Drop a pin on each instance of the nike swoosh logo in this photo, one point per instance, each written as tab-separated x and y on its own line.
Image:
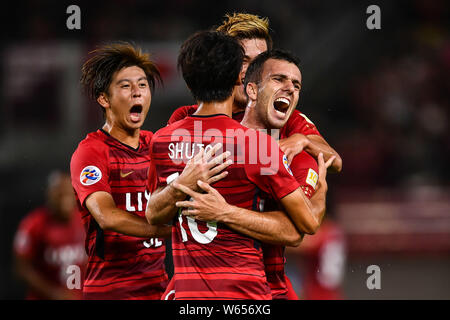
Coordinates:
124	175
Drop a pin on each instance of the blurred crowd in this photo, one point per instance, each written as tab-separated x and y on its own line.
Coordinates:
401	113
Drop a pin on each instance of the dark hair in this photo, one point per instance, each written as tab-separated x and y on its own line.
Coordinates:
210	62
254	70
98	71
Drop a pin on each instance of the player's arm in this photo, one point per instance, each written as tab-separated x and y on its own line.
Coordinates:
104	210
270	227
307	214
313	144
27	272
203	166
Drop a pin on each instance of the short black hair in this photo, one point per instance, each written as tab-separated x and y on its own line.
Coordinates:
254	70
210	62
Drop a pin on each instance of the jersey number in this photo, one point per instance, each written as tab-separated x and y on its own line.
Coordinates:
198	236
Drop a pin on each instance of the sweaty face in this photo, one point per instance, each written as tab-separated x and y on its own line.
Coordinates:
278	92
129	98
252	48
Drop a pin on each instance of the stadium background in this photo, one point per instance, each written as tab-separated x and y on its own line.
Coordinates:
380	97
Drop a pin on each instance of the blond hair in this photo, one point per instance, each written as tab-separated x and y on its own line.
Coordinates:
246	26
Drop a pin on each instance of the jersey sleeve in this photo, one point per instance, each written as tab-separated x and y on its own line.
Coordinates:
26	240
271	176
305	170
89	170
181	113
299	123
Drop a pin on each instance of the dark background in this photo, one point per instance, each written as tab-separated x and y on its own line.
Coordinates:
379	97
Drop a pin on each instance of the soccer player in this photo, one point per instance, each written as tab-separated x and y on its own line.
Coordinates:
299	132
48	241
323	258
211	260
109	172
273	83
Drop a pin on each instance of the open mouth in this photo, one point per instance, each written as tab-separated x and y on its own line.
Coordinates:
281	105
135	113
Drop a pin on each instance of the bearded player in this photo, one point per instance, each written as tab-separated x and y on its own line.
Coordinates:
200	250
273	84
299	132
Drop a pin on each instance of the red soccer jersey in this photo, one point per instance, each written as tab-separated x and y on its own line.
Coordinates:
211	261
297	122
119	266
325	255
51	246
184	111
304	168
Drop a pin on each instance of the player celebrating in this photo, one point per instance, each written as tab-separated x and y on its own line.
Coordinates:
299	132
109	172
200	249
273	83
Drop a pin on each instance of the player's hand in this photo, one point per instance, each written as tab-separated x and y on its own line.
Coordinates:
206	167
209	206
323	166
293	145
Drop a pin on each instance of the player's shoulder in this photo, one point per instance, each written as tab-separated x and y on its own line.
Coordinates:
182	112
297	115
146	136
94	142
35	218
187	109
183	123
306	159
165	130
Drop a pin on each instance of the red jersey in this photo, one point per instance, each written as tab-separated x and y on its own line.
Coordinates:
297	122
119	266
184	111
211	261
325	255
52	246
305	170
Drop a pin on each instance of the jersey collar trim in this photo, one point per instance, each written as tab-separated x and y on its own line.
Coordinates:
123	144
208	116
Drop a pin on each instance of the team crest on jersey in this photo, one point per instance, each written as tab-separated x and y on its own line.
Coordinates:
90	175
312	178
286	165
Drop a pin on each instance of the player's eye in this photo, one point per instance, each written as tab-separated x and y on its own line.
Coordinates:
143	84
125	85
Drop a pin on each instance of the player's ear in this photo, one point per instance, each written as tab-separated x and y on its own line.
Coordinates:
252	90
103	100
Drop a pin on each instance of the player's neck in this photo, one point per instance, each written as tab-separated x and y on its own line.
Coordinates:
128	137
251	119
237	108
215	107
